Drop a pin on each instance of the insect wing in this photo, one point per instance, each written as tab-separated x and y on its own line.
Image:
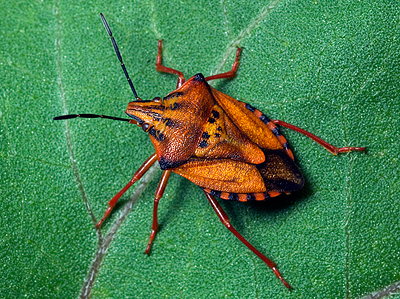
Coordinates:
247	122
222	139
223	175
279	172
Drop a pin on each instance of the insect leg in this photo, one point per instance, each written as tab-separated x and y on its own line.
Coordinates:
333	149
225	220
231	73
161	68
138	174
159	193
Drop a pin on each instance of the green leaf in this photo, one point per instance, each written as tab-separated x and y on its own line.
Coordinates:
330	67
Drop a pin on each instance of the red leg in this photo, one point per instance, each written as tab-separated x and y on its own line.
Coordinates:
159	193
225	220
333	149
161	68
138	174
231	73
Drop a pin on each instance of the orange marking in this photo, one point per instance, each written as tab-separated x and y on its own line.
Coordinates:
274	193
259	196
242	197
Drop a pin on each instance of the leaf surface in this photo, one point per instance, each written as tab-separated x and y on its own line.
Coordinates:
332	69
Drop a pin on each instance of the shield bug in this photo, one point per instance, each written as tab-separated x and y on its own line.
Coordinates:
227	147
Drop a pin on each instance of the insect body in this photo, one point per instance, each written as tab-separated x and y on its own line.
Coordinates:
228	148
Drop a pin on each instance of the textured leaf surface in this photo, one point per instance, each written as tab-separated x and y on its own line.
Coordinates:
332	69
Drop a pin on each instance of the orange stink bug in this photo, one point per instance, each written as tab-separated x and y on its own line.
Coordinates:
227	147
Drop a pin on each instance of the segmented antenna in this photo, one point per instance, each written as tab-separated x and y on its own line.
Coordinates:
69	116
119	56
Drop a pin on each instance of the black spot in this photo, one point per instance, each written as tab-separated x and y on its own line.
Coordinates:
286	145
173	95
203	144
198	77
169	122
152	132
250	197
266	195
215	114
164	164
217	135
233	196
276	131
211	120
156	134
251	108
205	135
219	129
215	193
174	106
264	119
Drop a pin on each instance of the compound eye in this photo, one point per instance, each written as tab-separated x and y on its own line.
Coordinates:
157	100
145	127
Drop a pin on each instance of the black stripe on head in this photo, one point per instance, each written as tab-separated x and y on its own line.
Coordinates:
140	122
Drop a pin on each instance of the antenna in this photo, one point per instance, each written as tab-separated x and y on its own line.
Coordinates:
82	115
119	56
69	116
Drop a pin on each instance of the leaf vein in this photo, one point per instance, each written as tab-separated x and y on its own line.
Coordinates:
104	244
64	104
245	32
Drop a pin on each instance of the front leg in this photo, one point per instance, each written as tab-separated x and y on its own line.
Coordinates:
159	193
161	68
